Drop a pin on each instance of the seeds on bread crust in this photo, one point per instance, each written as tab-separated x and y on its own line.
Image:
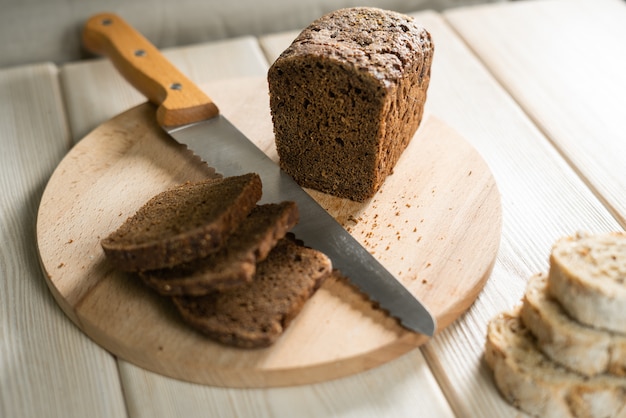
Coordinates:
256	314
588	278
235	263
183	223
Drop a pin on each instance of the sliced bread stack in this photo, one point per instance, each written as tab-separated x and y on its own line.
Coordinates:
562	353
228	263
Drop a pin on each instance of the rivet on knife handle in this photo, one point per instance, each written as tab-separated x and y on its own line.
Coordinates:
179	100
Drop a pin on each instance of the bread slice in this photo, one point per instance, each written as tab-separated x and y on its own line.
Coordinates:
235	263
531	382
588	278
256	314
580	348
347	96
183	223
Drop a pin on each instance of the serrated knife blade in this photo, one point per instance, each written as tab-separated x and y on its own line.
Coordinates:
191	118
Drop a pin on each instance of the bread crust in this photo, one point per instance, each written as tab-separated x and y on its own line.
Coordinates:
182	224
578	347
588	277
235	263
256	314
346	98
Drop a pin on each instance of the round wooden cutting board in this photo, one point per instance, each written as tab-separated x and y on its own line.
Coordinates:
435	225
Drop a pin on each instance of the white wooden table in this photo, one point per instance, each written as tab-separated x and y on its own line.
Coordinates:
537	87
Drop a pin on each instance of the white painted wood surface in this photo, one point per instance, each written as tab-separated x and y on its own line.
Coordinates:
48	368
568	73
43	357
542	199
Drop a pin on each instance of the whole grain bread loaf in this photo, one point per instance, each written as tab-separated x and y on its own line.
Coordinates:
347	97
564	340
183	223
257	313
588	277
235	262
533	383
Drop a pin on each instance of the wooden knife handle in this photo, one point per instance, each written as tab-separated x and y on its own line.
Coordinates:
178	99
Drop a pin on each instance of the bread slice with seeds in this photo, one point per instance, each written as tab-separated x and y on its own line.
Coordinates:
182	224
580	348
533	383
257	313
588	278
235	263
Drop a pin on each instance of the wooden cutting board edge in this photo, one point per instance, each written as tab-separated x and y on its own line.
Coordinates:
280	376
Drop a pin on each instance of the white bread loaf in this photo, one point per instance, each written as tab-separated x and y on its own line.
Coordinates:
583	349
531	382
588	278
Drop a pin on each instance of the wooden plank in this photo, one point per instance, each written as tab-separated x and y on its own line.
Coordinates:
150	395
49	368
542	198
395	389
567	74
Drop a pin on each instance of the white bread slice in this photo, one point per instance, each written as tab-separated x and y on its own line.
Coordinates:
588	278
583	349
536	385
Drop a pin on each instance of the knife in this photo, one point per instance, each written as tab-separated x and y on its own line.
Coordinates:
191	118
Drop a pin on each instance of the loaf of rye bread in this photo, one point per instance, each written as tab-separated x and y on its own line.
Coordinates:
235	262
182	224
346	98
255	314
